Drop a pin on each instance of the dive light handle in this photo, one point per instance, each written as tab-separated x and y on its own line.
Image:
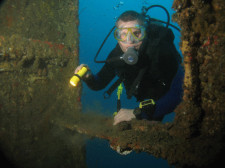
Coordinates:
77	77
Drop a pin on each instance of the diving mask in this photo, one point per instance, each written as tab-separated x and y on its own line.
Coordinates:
130	34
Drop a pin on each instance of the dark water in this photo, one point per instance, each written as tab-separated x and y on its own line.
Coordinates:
96	20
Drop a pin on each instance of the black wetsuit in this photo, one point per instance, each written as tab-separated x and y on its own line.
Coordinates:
157	55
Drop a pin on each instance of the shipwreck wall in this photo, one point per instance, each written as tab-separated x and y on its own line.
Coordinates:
38	52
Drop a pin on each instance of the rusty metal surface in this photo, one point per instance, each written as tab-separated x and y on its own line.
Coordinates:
38	52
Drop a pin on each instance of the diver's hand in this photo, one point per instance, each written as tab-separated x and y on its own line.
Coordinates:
124	115
88	73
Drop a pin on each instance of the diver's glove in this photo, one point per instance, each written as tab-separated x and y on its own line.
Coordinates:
88	73
124	115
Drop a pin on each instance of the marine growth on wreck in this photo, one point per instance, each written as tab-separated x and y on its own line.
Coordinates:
38	49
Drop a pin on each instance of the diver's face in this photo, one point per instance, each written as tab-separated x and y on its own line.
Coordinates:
125	46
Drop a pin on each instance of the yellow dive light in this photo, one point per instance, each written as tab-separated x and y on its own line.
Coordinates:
77	77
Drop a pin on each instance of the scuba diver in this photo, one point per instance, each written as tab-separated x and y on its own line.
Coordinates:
147	63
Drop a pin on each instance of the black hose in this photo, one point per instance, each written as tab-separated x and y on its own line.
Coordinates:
102	46
156	20
145	10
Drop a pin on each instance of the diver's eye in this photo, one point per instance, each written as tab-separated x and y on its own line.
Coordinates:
123	36
137	33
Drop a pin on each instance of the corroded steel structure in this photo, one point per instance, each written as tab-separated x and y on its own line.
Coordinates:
38	52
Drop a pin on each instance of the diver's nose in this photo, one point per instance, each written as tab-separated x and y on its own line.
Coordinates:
129	42
130	39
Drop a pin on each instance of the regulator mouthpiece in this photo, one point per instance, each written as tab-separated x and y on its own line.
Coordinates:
77	77
130	56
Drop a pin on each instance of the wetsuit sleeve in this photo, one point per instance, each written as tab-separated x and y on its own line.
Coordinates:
101	79
106	74
167	103
172	98
166	67
172	73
